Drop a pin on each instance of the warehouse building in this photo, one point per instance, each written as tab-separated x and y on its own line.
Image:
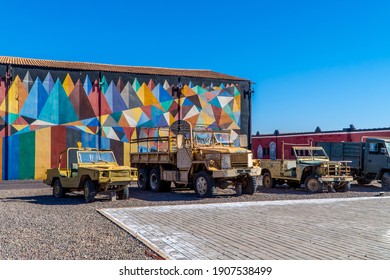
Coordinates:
47	106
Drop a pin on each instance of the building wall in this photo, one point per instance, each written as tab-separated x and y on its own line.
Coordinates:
262	145
43	112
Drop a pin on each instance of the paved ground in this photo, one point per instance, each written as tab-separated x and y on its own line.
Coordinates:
339	228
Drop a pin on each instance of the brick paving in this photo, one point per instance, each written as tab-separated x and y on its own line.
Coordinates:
340	228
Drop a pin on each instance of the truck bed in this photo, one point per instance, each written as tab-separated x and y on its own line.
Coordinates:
152	157
344	151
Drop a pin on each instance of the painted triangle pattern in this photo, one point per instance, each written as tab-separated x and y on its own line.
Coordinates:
102	104
59	109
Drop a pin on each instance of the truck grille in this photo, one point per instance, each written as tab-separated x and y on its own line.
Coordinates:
239	160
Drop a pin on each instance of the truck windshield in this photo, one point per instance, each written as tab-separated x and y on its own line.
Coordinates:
222	138
388	147
203	138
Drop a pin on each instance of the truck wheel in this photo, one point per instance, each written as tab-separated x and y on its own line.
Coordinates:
249	185
143	181
313	185
204	185
124	194
58	190
89	191
268	182
155	180
386	181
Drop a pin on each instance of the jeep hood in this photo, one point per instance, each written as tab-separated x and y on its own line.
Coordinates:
105	167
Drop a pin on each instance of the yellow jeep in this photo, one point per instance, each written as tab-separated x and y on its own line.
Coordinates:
92	171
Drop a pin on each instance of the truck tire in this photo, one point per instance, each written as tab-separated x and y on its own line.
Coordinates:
58	190
204	185
143	179
386	181
124	194
313	185
268	182
89	191
249	185
155	180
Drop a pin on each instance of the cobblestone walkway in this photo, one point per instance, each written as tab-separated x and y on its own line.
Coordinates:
351	228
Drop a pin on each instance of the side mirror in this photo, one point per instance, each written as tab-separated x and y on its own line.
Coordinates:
243	140
383	151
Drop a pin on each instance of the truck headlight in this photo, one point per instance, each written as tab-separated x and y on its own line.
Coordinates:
250	160
225	161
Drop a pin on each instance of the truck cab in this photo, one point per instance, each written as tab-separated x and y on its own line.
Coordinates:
377	160
377	155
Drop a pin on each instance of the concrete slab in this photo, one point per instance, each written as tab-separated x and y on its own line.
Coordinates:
350	228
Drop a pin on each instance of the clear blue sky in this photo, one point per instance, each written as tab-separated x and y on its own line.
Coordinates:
315	63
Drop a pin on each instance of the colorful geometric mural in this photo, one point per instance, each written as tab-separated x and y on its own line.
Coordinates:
39	119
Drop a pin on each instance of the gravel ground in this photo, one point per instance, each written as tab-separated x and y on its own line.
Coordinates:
35	225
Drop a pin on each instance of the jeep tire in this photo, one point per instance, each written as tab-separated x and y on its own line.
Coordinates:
343	187
313	185
268	182
124	194
89	191
58	190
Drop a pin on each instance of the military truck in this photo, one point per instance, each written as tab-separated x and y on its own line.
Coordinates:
370	160
92	171
198	158
311	168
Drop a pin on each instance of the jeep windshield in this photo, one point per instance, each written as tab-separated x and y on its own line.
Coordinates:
96	156
310	153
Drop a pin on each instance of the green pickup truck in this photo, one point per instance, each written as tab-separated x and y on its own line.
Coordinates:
92	171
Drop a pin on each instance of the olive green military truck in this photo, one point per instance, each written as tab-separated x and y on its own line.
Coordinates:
201	159
92	171
311	168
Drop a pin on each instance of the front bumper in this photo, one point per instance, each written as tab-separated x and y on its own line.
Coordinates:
335	179
235	172
116	183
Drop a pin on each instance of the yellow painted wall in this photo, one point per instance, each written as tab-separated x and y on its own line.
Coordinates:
42	152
